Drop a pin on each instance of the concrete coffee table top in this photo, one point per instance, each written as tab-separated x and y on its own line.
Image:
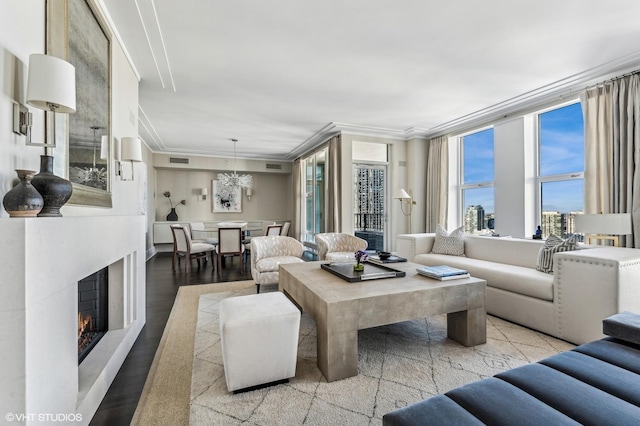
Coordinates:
341	308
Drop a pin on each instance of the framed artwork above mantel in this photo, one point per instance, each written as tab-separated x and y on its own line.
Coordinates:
77	33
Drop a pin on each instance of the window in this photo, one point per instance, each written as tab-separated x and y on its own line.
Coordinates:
477	182
560	169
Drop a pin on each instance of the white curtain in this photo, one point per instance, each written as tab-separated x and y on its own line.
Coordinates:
612	150
437	183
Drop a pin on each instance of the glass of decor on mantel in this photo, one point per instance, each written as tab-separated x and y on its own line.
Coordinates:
173	216
360	257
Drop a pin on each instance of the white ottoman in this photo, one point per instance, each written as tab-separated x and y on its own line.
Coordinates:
259	339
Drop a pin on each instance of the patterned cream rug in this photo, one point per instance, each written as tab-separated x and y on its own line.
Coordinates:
398	364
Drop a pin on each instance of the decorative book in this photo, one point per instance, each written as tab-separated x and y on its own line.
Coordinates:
442	272
391	259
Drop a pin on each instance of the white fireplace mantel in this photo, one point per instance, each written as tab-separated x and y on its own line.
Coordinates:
42	261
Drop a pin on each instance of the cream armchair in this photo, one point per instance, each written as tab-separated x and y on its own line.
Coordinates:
339	247
268	253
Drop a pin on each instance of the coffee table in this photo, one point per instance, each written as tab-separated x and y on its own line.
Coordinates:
341	308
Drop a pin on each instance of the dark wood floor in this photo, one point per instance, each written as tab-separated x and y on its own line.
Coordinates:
121	400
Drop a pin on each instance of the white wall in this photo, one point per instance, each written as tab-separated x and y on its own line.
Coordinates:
509	168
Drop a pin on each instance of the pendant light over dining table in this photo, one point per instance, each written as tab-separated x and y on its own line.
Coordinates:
233	180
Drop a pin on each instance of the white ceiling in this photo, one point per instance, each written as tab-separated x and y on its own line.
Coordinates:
273	74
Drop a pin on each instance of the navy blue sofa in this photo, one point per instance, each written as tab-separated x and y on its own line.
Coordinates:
597	383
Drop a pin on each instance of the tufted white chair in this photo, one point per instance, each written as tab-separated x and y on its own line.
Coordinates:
339	247
268	253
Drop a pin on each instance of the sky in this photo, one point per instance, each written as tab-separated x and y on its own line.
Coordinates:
561	151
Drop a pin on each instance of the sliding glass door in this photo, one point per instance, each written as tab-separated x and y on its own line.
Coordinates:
315	207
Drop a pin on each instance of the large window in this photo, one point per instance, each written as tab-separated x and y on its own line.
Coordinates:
477	182
560	168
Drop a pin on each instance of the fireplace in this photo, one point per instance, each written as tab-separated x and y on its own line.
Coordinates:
39	310
93	311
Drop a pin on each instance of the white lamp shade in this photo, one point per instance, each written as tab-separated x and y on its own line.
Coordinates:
401	194
104	147
51	81
249	192
611	224
130	149
204	191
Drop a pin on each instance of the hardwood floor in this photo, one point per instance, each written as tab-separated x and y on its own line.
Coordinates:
162	285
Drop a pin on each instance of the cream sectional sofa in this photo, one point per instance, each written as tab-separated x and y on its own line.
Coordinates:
586	285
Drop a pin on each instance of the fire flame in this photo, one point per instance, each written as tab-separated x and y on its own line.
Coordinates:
83	323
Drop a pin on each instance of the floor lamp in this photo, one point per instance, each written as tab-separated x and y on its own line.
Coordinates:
405	200
603	226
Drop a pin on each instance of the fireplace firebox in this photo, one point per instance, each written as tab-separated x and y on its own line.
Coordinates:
93	311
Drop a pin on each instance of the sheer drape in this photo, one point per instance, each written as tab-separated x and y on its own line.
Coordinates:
334	221
612	150
437	183
298	190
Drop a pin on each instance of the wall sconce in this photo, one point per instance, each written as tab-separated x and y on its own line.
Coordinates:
204	192
603	226
51	87
130	150
405	200
249	193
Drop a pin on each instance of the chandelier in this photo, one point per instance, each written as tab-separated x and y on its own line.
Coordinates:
234	180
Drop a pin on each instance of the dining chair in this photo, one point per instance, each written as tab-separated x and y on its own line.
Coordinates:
285	229
198	233
230	244
183	246
273	230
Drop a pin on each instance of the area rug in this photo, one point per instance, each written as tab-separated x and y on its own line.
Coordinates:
166	394
397	364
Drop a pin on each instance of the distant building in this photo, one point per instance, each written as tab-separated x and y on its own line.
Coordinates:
560	224
474	220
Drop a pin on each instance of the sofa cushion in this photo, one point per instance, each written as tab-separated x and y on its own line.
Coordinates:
496	402
271	264
449	243
440	410
597	373
553	245
516	279
512	251
624	326
560	391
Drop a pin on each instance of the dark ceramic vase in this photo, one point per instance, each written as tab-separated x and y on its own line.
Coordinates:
172	216
55	190
23	200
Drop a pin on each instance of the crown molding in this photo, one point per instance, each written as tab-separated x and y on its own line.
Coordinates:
564	89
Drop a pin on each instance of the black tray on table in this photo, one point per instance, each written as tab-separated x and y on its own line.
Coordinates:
371	271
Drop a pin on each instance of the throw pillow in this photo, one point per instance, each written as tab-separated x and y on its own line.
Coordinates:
553	245
448	243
